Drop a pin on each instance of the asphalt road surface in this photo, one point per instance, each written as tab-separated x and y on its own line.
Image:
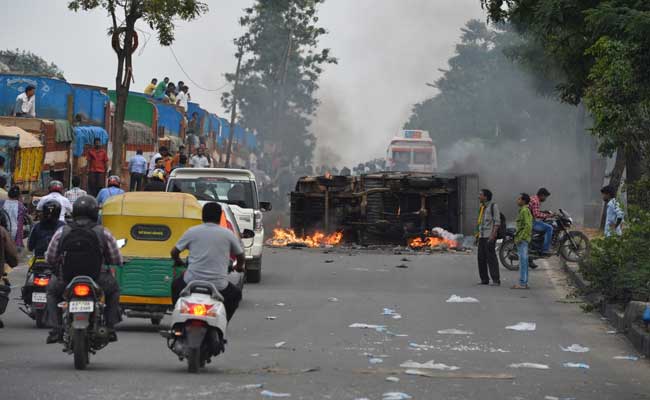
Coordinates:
324	358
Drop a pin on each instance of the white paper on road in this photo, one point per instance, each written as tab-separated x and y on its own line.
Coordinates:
365	326
629	358
251	386
529	365
395	396
280	304
268	393
523	326
279	344
393	379
428	365
454	332
575	348
576	365
375	360
333	300
457	299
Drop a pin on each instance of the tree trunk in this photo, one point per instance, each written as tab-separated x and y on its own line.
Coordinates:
633	165
615	177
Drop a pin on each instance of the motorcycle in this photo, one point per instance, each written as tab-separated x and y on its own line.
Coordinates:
5	289
198	326
33	292
573	246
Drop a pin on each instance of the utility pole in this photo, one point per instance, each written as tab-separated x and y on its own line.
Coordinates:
233	110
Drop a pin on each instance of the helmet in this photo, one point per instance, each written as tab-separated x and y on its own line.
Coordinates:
114	180
158	174
55	186
51	211
85	206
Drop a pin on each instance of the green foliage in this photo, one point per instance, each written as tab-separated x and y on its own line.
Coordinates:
160	15
25	62
485	95
619	267
280	71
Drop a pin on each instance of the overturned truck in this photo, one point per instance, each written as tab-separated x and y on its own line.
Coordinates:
386	207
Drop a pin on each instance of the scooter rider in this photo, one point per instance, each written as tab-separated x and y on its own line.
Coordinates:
84	213
55	189
210	247
43	231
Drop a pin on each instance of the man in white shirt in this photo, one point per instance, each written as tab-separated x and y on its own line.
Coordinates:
152	163
26	103
199	160
182	98
56	188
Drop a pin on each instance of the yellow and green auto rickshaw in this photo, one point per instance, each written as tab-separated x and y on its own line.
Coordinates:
151	223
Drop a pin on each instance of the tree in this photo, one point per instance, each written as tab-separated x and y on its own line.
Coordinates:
26	62
279	74
160	16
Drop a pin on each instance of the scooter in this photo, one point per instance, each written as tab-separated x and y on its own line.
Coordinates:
198	327
34	290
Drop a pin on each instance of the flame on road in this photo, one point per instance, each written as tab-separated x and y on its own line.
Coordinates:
287	237
431	242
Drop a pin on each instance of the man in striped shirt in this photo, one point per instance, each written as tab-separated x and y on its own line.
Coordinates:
539	218
76	192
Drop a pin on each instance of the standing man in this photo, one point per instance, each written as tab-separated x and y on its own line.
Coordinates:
180	158
152	161
148	90
182	98
487	228
540	216
75	192
614	214
26	103
159	91
199	160
97	166
522	237
137	169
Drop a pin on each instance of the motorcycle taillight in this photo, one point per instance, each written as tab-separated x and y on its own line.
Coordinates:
81	290
42	282
197	309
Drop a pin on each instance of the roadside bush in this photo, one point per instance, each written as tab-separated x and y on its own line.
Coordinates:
619	267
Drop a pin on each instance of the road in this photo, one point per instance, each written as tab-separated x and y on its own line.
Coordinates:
323	358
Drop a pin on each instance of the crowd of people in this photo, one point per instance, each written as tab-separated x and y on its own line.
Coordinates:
169	92
530	218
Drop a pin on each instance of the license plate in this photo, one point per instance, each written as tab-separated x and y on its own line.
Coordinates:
39	297
81	306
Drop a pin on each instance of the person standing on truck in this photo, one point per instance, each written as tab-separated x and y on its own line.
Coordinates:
148	90
486	232
26	103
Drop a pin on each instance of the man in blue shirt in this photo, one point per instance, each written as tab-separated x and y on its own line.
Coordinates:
112	189
614	214
137	170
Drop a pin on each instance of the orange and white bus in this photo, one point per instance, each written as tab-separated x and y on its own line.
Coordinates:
412	151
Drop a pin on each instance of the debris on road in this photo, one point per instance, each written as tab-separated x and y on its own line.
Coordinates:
268	393
328	261
287	237
279	344
375	360
457	299
402	266
366	326
389	312
575	348
529	365
404	259
456	375
280	304
271	317
628	358
393	379
395	396
428	365
251	386
333	300
576	365
454	332
523	326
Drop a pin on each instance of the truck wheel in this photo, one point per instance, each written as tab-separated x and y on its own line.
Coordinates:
254	270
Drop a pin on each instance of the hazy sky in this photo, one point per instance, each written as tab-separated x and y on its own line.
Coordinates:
387	50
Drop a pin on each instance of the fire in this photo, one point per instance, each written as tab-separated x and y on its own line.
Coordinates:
431	241
285	237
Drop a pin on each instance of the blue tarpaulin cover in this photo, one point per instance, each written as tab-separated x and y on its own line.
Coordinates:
86	135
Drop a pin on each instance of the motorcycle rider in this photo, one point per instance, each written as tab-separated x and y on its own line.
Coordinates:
156	182
55	189
9	256
43	231
112	189
210	247
539	218
85	214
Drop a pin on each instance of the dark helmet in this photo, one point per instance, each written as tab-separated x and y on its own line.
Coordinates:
51	211
55	186
85	207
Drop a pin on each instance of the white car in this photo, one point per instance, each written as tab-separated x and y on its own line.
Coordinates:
237	188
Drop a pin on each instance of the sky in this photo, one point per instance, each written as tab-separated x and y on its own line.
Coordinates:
387	50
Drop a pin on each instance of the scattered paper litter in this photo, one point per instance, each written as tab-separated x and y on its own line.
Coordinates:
251	386
271	317
454	332
428	365
612	332
333	300
421	346
279	344
529	365
576	365
255	355
629	358
397	316
395	396
575	348
268	393
388	311
280	304
523	326
457	299
415	372
393	379
375	360
366	326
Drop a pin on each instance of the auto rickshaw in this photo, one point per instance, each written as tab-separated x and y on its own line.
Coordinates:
152	223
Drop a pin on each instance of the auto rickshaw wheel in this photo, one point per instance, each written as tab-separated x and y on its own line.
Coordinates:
156	321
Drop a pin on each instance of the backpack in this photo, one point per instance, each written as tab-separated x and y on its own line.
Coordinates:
501	232
82	248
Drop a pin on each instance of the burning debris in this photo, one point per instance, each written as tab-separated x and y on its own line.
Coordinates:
437	238
287	237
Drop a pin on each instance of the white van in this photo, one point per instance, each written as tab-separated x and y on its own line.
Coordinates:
237	188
